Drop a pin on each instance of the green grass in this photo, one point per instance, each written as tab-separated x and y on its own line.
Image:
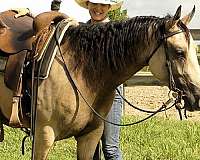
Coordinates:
159	139
156	139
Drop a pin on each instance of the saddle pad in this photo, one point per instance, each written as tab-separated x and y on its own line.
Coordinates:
44	65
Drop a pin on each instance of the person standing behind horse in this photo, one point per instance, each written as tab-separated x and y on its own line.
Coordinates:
98	10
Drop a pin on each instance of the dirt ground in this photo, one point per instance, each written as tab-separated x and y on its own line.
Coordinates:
152	97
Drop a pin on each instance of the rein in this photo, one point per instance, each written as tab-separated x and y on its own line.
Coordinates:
161	109
166	104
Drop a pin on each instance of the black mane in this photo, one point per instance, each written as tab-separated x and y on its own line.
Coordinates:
96	46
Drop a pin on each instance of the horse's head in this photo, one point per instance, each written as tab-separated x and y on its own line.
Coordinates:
175	61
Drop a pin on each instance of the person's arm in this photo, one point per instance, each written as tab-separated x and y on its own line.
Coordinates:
22	12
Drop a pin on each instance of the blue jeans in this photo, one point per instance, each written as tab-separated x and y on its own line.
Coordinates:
111	133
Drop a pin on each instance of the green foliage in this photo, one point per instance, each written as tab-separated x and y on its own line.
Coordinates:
117	14
155	139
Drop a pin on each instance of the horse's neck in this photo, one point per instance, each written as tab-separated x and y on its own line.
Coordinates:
144	42
142	59
108	67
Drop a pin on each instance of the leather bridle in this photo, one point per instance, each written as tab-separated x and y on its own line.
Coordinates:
172	83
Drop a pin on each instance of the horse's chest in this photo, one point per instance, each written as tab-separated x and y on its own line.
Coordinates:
72	124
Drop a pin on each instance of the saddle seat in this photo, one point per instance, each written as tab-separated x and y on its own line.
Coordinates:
16	34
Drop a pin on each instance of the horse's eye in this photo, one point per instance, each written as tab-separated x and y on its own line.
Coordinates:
180	53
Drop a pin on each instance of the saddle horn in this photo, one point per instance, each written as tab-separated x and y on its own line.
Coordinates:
46	18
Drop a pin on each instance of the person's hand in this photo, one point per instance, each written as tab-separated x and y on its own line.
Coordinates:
21	12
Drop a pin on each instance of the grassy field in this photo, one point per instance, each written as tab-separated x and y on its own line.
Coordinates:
156	139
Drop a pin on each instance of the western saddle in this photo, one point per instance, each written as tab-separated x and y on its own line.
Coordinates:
17	36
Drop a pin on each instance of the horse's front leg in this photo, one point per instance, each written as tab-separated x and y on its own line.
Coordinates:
87	143
43	141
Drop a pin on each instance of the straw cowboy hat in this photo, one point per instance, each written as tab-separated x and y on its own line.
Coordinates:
115	4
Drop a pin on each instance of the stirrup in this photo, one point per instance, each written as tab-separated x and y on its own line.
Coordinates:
14	117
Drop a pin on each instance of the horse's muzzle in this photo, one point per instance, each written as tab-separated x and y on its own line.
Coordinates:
192	102
191	94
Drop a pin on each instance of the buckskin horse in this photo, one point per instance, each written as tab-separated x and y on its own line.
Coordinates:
93	60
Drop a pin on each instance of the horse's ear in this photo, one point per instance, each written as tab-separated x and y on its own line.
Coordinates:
186	20
177	14
172	21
